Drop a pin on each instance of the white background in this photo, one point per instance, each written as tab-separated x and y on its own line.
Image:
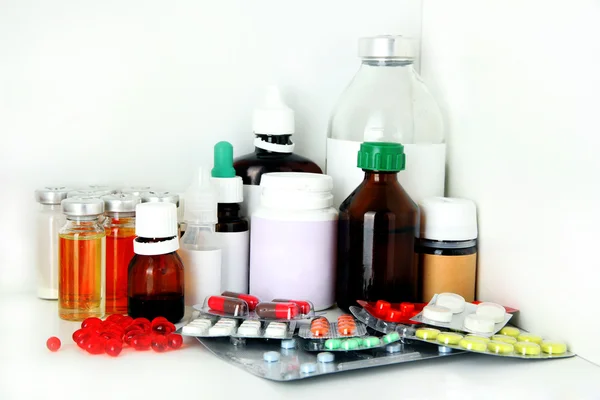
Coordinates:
519	81
137	92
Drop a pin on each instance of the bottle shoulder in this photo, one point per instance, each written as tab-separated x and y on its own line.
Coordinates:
372	201
251	167
169	260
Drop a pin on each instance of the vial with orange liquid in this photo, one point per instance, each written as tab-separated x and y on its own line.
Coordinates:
119	224
81	253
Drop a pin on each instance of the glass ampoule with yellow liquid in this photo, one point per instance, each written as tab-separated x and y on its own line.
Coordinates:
82	260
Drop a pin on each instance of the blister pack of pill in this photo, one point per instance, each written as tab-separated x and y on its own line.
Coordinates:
209	326
398	313
238	307
450	311
510	342
320	328
351	344
255	329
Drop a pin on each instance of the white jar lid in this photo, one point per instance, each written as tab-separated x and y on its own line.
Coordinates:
296	190
449	219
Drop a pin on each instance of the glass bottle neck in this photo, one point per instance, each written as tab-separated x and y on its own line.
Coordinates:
119	219
387	62
83	220
381	177
228	211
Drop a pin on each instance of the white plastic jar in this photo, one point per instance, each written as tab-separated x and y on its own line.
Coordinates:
293	239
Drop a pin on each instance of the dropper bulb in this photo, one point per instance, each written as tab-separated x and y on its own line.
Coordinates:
223	161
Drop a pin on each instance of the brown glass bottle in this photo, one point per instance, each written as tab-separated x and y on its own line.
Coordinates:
155	276
252	166
377	226
229	219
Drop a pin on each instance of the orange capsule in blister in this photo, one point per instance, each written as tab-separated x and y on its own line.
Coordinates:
346	330
319	326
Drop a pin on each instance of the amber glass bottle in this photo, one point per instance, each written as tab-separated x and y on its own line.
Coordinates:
156	280
378	223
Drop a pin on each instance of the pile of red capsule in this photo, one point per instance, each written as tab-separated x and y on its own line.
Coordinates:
109	336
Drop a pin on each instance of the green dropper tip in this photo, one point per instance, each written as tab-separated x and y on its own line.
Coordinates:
223	161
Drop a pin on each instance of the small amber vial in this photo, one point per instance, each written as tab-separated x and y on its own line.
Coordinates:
81	253
119	224
155	281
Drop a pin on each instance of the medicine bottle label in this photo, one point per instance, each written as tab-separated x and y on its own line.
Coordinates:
455	274
234	272
202	274
424	175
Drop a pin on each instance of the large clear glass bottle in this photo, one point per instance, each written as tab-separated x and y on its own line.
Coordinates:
377	227
48	222
156	280
386	101
119	223
81	260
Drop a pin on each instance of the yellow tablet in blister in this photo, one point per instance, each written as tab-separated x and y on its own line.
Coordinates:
510	331
427	333
549	347
482	338
449	338
527	348
504	338
500	347
527	337
473	344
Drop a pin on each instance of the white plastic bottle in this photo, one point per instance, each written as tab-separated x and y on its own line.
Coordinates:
233	233
386	101
293	244
199	250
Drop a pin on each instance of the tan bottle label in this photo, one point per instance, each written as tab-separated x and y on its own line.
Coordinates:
455	274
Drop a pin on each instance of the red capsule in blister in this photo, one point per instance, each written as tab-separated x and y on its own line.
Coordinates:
271	310
174	340
228	305
252	301
305	306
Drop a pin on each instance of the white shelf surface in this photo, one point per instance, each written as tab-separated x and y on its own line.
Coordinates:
29	371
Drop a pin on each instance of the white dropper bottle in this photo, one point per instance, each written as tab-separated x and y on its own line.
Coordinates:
199	251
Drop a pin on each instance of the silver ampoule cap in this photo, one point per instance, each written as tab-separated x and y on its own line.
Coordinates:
51	194
136	190
78	207
160	197
386	46
120	202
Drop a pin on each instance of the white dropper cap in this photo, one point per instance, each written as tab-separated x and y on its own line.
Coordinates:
201	200
273	116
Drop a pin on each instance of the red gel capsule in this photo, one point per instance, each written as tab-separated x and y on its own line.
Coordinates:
53	343
228	305
95	345
305	306
80	333
161	327
116	318
270	310
126	321
91	322
144	323
128	337
174	340
248	298
141	342
111	335
113	347
160	343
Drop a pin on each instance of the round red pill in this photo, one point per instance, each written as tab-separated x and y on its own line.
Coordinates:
95	345
159	343
53	343
174	340
141	342
113	347
91	322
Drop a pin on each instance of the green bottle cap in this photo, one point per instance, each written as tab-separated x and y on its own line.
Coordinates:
223	161
381	156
